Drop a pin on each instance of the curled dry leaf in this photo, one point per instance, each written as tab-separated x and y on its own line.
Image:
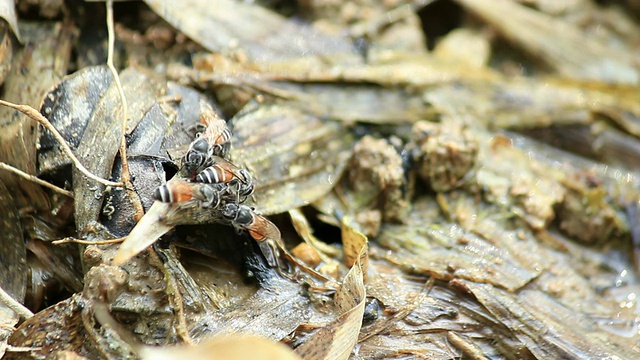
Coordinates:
353	243
337	339
303	228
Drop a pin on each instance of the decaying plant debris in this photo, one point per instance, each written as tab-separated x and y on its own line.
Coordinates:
474	199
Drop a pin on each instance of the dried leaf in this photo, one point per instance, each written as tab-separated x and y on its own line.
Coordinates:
257	32
235	347
295	158
557	43
102	136
337	339
303	228
353	241
42	63
548	329
263	314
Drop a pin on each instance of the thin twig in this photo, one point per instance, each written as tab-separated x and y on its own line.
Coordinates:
87	242
29	177
125	174
35	115
12	304
11	348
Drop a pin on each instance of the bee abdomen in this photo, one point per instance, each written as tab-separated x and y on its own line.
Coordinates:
163	194
209	176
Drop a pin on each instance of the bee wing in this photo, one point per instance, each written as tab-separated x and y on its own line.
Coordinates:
217	132
268	237
265	228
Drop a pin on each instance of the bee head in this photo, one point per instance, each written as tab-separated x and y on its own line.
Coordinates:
200	145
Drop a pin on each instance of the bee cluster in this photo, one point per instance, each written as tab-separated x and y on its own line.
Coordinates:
216	184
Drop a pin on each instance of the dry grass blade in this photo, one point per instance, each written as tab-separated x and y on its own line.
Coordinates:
35	115
23	174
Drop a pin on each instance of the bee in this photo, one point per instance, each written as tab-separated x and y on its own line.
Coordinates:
197	157
216	132
263	231
176	191
223	171
219	138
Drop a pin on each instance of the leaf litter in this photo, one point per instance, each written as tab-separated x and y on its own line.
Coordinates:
436	205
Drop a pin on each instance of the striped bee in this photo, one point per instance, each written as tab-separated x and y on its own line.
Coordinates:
176	191
223	171
197	158
263	231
